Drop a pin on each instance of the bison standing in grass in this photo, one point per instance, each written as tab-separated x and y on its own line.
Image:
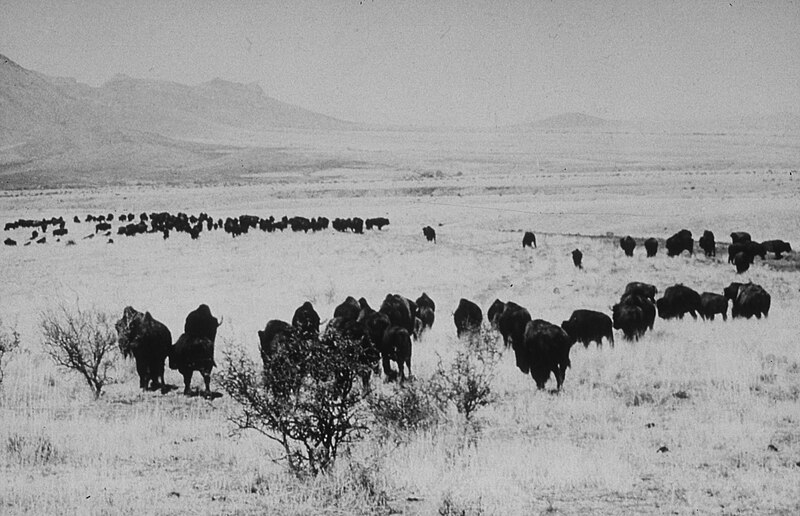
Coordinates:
748	300
677	301
148	341
712	304
586	326
651	247
467	318
628	244
194	350
545	349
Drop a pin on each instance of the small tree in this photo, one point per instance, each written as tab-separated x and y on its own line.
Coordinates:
467	381
305	398
83	341
9	342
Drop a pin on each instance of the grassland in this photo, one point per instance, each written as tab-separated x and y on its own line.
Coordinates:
715	394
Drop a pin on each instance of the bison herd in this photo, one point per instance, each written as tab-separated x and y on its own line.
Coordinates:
193	225
541	347
741	252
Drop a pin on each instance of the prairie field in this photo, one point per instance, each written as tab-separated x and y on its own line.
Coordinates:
721	399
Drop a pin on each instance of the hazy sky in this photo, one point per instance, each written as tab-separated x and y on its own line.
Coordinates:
435	62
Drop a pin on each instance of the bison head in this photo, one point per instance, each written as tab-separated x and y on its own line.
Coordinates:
130	329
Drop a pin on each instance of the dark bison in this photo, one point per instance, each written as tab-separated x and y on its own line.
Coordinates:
430	234
586	326
680	242
629	318
528	238
467	317
494	311
401	311
306	320
10	241
749	248
712	304
544	349
348	309
740	236
425	300
149	341
748	300
512	322
200	323
577	258
677	301
396	347
641	289
651	246
426	317
777	246
628	244
707	243
273	338
194	350
742	261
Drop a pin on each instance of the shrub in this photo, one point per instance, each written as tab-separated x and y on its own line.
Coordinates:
467	381
9	342
408	409
304	397
83	341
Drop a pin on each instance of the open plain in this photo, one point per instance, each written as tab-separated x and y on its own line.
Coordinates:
721	396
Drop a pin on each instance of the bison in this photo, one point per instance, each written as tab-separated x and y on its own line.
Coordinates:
149	341
677	301
430	234
577	258
512	322
306	320
194	349
544	349
630	319
777	246
628	244
348	309
712	304
740	237
467	318
679	242
641	289
707	243
396	346
586	326
527	239
401	311
742	261
651	247
748	300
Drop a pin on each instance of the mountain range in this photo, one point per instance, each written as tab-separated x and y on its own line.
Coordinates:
57	131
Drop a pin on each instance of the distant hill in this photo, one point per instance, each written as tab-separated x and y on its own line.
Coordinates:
59	125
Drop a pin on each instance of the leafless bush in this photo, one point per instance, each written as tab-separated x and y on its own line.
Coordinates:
410	408
83	341
304	398
9	342
467	380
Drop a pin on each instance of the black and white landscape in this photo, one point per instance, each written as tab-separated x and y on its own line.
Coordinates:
163	192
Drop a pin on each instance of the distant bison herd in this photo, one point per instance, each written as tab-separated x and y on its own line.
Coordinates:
193	225
741	252
386	335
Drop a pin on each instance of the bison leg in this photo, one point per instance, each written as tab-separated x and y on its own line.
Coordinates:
187	381
143	371
207	381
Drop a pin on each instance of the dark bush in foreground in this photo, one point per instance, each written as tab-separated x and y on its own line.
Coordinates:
307	397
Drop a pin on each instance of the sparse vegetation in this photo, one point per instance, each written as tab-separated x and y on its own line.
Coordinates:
9	343
83	341
467	381
305	398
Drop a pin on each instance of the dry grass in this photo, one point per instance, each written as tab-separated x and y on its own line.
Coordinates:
715	394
